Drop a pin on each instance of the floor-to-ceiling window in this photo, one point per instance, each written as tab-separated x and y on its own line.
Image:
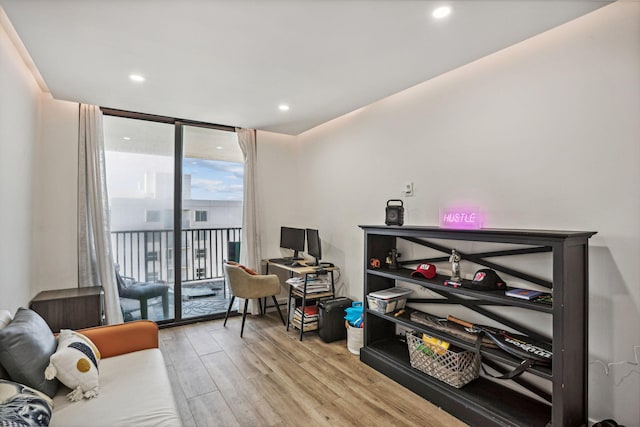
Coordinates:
175	195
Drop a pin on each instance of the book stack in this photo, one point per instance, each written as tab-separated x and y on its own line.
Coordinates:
309	318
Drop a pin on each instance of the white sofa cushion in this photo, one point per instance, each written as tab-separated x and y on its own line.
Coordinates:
134	391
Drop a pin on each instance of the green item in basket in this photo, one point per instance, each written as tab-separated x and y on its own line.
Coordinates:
426	350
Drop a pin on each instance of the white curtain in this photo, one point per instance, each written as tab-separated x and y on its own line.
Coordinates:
95	261
250	240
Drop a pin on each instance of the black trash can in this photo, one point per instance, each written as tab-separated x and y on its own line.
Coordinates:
331	319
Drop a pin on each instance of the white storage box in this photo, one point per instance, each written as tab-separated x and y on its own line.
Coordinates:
388	300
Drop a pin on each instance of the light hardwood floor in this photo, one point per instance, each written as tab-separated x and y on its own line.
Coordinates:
270	378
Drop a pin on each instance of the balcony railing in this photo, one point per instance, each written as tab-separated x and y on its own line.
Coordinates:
148	255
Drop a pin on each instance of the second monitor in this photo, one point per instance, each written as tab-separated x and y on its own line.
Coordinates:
314	248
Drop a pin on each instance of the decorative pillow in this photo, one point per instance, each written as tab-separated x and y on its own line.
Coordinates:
247	269
23	406
26	344
75	364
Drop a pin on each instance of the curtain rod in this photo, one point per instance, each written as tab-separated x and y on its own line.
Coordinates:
163	119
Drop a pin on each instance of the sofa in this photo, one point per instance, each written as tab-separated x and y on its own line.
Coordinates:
134	387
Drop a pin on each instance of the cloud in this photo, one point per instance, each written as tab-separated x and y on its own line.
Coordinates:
209	185
212	189
233	168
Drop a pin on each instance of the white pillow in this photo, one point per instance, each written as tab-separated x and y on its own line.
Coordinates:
5	318
75	364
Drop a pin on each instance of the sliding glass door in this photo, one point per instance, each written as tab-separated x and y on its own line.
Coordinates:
175	195
212	173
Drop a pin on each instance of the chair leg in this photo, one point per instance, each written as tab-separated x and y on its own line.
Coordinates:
144	308
165	304
228	310
244	316
275	302
260	306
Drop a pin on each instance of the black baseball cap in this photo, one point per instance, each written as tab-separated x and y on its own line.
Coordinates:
488	280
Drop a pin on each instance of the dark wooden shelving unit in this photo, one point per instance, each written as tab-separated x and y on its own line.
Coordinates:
483	401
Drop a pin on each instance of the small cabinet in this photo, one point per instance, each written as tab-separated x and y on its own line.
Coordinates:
487	401
73	308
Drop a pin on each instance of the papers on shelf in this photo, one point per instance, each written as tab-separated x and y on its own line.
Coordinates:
314	285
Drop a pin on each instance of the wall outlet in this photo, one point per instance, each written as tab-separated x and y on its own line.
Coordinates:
407	190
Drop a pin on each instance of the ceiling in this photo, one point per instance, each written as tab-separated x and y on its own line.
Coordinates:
233	62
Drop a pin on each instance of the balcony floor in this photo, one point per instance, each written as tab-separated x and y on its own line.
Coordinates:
198	299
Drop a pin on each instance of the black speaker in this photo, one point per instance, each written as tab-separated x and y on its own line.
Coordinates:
394	214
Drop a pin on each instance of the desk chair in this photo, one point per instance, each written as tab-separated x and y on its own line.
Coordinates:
248	286
128	287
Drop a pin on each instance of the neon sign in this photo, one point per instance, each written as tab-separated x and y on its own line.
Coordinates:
461	218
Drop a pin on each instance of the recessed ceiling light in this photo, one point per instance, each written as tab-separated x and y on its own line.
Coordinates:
441	12
126	138
136	77
219	148
283	107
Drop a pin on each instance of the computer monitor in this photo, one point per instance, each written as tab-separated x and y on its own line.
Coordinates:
313	245
292	238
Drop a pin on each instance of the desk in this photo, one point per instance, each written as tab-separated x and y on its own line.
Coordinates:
304	270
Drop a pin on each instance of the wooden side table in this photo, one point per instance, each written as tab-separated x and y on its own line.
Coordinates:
74	308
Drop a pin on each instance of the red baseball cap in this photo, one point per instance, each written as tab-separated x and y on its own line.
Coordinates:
428	271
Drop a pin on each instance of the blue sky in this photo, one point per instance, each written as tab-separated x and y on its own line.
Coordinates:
214	179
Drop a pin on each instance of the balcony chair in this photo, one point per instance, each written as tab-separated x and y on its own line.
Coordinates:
246	284
129	288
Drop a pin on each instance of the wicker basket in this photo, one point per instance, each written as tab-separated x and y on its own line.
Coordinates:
454	367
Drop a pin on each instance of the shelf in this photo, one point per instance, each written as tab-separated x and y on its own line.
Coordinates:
504	235
436	284
480	400
491	353
297	291
307	327
487	401
309	296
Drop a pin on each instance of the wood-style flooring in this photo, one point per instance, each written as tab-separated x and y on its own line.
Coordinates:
270	378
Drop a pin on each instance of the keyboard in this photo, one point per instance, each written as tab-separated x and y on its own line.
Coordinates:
284	261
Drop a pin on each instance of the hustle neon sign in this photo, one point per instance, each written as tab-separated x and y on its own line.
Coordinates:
461	218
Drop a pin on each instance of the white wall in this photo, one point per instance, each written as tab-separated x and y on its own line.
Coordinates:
545	134
38	183
19	114
280	199
55	251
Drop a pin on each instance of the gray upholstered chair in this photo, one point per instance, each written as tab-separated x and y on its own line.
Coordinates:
250	286
132	289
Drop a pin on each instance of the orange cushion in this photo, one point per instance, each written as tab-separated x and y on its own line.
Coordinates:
247	269
113	340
